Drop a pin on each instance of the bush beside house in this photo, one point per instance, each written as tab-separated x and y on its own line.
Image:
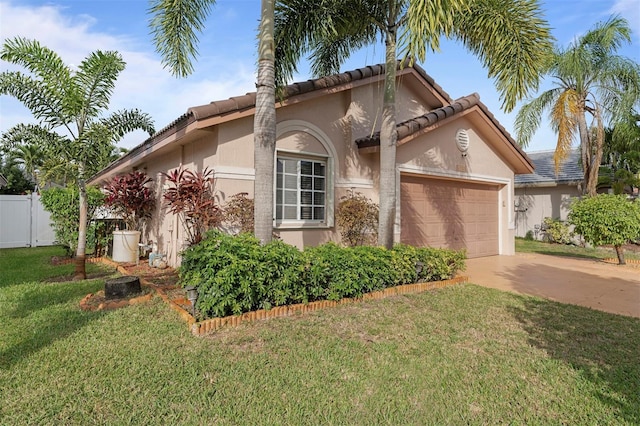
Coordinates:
236	274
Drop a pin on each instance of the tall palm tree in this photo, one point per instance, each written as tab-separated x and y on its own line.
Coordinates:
69	106
174	25
509	36
589	81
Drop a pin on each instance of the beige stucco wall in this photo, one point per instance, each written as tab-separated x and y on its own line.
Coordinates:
536	203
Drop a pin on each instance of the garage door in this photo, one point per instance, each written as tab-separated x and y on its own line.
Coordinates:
451	214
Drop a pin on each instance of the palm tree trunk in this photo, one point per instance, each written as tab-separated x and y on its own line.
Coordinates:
80	272
597	144
264	127
388	138
585	153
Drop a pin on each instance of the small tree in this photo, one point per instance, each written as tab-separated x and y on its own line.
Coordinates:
191	198
607	219
239	213
357	217
131	198
62	203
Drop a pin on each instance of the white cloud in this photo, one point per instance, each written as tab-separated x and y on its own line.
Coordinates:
144	84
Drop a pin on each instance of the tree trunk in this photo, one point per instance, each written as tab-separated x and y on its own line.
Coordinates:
80	272
620	254
597	143
264	127
585	152
388	139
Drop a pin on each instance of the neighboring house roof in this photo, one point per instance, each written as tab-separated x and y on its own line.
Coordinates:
570	171
3	181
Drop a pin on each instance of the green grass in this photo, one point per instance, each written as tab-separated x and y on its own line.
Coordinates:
540	247
462	355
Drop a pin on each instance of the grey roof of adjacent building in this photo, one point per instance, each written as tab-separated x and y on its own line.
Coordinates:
570	171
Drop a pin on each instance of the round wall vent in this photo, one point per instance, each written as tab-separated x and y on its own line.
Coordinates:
462	140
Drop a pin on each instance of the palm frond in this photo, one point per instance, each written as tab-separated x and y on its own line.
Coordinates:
425	22
174	25
564	119
529	116
95	80
38	59
514	30
122	122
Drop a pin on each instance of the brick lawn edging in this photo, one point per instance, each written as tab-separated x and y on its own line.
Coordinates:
615	260
207	326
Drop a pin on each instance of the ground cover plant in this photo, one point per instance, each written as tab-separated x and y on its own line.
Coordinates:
460	355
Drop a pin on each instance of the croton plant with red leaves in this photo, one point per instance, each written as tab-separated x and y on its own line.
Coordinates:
131	197
190	195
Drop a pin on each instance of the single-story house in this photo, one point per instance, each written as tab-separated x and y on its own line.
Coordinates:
544	193
455	163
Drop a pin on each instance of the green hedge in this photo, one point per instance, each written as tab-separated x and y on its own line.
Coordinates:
236	274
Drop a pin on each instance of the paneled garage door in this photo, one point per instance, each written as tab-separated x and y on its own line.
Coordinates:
451	214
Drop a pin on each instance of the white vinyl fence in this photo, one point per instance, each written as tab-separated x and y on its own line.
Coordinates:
24	222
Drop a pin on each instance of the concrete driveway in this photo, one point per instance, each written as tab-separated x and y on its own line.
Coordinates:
597	285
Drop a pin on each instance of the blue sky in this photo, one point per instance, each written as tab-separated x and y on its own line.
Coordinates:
226	65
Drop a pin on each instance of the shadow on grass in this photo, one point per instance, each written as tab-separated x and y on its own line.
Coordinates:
37	314
602	347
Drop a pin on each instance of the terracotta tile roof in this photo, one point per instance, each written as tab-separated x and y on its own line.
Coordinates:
240	103
409	127
570	171
413	125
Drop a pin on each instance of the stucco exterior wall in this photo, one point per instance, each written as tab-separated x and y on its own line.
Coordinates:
536	203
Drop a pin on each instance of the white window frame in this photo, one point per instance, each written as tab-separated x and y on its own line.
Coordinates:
328	191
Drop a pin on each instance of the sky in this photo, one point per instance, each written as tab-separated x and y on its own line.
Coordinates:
226	65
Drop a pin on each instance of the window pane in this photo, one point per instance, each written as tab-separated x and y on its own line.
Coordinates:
306	167
290	166
306	197
278	197
318	184
291	182
318	198
280	165
291	197
306	182
319	169
306	213
290	212
279	180
279	212
318	213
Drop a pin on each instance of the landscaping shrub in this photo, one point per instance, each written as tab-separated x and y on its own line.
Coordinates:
238	213
130	197
357	218
236	274
607	219
529	235
557	231
62	204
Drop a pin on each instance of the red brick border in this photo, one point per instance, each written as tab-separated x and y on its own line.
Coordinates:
615	260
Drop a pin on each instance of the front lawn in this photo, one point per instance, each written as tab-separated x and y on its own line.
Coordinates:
541	247
461	355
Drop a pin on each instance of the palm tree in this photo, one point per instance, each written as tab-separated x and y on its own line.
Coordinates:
69	107
174	25
509	36
31	158
589	79
621	154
